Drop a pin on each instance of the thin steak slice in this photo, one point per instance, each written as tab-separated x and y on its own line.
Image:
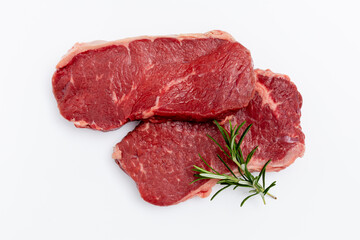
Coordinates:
159	157
103	85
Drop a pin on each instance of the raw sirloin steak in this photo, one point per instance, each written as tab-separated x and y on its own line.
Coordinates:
159	157
103	85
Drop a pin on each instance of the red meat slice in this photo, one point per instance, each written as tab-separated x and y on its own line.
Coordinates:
103	85
159	157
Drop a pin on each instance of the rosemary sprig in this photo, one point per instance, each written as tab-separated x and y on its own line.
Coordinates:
234	152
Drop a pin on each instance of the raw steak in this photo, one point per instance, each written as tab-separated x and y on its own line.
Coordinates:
159	157
103	85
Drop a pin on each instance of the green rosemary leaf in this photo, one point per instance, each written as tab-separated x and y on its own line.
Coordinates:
249	156
243	136
240	158
222	149
245	199
238	128
268	188
239	142
262	173
223	132
208	164
249	176
199	169
219	191
198	179
227	166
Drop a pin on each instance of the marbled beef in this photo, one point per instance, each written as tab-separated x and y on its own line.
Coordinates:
194	77
159	157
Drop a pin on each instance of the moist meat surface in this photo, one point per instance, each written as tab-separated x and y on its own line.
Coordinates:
104	85
159	157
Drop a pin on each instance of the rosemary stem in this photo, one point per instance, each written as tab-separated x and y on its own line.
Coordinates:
270	195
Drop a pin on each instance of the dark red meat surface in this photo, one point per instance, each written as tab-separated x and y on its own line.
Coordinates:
159	157
187	77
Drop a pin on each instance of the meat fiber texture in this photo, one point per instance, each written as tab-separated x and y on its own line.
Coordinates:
102	85
160	157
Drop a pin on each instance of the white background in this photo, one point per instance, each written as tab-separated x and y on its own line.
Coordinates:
59	182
